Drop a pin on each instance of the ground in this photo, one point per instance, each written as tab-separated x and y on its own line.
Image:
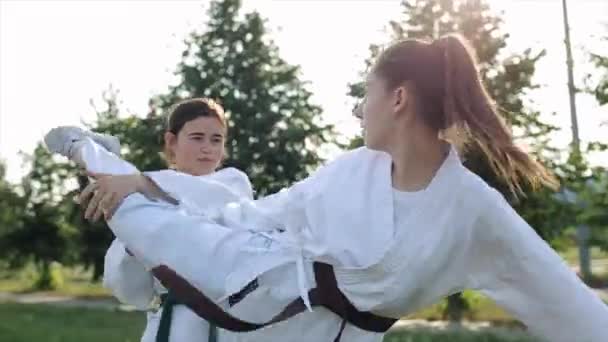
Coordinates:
50	323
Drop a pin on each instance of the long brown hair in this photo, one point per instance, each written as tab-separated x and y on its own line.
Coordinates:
451	98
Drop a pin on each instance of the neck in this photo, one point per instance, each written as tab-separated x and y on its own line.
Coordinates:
416	158
193	173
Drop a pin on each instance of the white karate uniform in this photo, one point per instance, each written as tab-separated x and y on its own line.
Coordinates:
125	276
456	234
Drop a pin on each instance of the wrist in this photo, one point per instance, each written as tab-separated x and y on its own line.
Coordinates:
141	183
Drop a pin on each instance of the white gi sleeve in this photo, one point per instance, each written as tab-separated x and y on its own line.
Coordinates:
520	272
127	278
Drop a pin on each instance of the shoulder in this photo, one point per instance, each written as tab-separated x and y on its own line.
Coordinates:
235	179
357	155
482	208
232	172
494	219
359	160
476	191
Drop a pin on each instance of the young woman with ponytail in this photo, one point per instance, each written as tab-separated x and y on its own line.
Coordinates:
381	231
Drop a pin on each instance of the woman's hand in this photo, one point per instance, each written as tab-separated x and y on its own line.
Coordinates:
104	196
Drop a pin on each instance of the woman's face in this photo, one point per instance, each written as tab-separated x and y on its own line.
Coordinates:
198	148
376	112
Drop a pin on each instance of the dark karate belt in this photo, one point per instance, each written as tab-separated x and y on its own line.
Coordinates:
326	294
167	302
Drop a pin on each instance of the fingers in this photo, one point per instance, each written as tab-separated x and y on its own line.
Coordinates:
117	200
86	194
102	198
103	206
112	208
93	205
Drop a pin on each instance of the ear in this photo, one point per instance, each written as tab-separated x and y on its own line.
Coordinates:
400	99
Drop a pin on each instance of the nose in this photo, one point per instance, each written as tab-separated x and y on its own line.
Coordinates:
358	111
205	148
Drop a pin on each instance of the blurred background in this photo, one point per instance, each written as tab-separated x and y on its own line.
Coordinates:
288	72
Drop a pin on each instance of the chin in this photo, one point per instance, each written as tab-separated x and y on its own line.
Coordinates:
371	144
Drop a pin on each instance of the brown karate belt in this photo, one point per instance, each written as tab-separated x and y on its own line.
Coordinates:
325	294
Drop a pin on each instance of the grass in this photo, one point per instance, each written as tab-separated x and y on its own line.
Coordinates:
31	322
424	335
77	283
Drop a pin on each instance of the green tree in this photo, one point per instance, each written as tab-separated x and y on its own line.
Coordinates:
586	182
43	235
140	136
508	77
275	129
93	238
596	194
600	89
11	211
141	145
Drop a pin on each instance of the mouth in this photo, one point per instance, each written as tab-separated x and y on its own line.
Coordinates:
205	160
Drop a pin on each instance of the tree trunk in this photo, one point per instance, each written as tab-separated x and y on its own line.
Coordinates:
457	306
44	276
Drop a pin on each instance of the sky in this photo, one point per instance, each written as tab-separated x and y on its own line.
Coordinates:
57	57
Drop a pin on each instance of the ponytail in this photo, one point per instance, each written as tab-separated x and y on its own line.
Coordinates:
474	119
452	100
